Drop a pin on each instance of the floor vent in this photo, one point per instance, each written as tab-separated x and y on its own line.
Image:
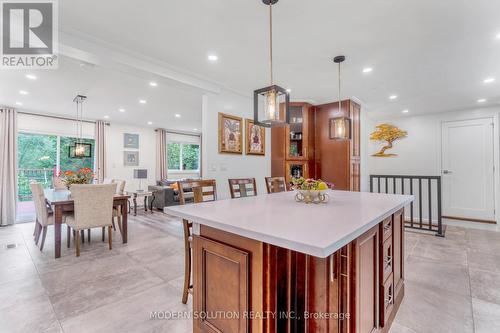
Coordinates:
11	246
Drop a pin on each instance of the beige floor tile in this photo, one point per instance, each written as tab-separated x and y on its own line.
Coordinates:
428	310
433	274
486	261
486	316
485	285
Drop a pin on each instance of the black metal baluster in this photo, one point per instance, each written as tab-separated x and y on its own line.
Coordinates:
429	184
378	184
440	222
420	200
386	185
411	193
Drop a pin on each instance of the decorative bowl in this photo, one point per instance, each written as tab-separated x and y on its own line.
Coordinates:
312	196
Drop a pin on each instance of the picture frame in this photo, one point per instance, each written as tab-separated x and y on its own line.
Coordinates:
87	147
255	138
130	141
131	158
230	134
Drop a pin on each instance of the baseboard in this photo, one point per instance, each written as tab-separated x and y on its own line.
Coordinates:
469	219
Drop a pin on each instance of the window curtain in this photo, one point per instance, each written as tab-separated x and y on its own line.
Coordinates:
8	166
100	151
161	154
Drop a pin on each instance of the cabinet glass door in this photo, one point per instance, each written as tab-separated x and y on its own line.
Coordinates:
296	134
296	169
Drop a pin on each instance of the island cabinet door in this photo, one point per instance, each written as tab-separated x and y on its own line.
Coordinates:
366	277
398	245
221	286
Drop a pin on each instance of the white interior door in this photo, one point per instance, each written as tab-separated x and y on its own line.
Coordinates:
468	169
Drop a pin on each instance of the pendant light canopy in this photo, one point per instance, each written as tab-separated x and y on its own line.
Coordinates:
340	127
271	104
80	149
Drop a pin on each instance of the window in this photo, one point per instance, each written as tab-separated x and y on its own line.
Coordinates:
40	156
183	156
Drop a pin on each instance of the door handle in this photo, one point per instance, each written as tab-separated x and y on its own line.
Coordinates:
446	172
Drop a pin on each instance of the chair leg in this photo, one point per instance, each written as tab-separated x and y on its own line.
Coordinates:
38	231
43	238
113	222
88	234
110	240
103	232
68	241
77	243
187	275
82	232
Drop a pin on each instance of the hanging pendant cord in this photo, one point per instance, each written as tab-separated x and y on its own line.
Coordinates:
271	39
339	89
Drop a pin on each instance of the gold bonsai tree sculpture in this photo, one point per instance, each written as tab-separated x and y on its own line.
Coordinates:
388	133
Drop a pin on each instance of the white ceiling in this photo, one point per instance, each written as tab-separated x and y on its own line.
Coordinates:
107	91
433	54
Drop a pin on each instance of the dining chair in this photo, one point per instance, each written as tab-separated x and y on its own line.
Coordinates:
44	218
242	187
120	190
93	209
58	184
201	191
275	184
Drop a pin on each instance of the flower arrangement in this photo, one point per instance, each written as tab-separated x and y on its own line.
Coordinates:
81	176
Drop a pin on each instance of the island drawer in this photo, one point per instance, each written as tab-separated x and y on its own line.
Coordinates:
386	231
386	301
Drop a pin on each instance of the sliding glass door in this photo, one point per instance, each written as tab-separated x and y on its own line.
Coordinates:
40	157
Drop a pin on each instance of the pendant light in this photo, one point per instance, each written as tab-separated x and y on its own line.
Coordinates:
273	102
80	149
340	127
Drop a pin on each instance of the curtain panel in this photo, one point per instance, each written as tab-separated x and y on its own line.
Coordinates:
161	154
100	151
8	166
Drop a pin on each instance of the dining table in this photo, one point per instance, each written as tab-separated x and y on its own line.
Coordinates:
62	202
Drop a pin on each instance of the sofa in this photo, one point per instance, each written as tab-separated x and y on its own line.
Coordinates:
167	195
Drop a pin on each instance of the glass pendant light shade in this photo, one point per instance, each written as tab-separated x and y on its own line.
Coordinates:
79	150
271	106
340	128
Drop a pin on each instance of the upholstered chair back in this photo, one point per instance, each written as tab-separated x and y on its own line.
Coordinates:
93	205
120	186
42	213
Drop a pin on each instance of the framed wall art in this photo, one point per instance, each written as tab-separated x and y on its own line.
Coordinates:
131	141
131	158
230	134
255	138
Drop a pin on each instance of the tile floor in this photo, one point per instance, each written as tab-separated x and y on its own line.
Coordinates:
452	284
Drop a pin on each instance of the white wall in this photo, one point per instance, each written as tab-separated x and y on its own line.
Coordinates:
224	166
420	152
54	126
114	155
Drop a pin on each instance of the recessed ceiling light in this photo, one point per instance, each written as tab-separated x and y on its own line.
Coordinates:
489	80
106	117
498	36
121	109
31	76
177	115
142	101
393	97
153	84
289	90
23	92
405	111
367	70
481	100
213	57
19	103
150	123
195	129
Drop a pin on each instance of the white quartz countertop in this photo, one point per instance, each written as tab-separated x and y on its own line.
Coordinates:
315	229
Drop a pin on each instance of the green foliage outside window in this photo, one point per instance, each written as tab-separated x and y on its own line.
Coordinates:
183	156
37	159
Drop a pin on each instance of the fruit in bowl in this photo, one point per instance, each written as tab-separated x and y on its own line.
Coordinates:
310	190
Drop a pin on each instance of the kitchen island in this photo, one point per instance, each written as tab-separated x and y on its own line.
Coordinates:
270	264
